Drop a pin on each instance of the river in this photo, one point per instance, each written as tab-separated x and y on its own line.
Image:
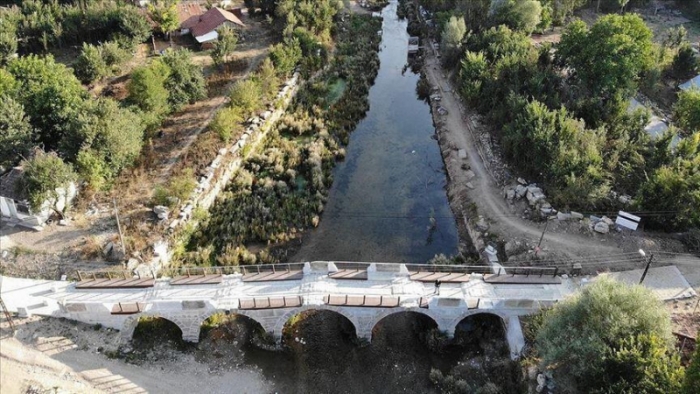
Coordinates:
388	200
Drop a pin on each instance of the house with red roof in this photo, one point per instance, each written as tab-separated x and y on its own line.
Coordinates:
203	27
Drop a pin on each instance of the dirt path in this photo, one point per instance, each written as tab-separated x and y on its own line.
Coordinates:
49	353
457	132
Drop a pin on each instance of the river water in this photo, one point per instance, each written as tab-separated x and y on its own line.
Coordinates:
390	189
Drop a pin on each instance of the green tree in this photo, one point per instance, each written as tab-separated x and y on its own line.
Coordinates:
606	318
685	63
15	132
225	45
114	55
112	136
185	82
692	374
164	13
245	95
133	26
147	88
90	65
521	15
285	56
673	186
8	34
452	37
687	110
226	121
607	60
50	93
43	175
267	79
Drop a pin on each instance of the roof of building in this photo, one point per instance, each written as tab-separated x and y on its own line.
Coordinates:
213	19
8	184
693	83
189	13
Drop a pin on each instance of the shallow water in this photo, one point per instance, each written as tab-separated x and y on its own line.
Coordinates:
392	181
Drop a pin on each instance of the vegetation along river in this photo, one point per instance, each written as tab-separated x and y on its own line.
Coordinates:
388	201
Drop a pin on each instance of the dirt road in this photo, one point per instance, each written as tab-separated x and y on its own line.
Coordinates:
457	133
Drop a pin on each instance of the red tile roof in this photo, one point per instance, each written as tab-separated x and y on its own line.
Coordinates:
212	20
188	14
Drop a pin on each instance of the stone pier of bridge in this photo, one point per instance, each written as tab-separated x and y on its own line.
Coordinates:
378	291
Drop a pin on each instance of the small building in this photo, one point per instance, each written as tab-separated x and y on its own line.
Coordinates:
15	207
690	84
203	29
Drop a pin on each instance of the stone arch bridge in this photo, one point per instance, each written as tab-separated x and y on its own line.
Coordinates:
363	293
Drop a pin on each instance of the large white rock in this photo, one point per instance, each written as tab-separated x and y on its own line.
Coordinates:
602	227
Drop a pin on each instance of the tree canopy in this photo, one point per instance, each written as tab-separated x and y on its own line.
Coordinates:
44	173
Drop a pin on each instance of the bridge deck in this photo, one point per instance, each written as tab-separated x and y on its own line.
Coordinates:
196	280
444	277
270	303
105	283
272	276
349	274
522	279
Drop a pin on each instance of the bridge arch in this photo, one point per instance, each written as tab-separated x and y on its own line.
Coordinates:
230	313
369	332
130	324
279	325
473	312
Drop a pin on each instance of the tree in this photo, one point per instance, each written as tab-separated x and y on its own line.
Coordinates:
521	15
225	45
90	65
164	13
452	37
606	327
147	88
15	132
685	63
185	82
692	374
607	59
285	56
113	55
43	175
226	121
245	95
267	79
687	110
133	26
50	93
673	186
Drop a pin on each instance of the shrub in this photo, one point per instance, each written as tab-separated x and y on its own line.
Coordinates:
245	95
90	65
226	121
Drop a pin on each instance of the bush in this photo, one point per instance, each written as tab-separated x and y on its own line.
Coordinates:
685	63
90	66
603	319
692	374
43	175
179	188
245	95
225	122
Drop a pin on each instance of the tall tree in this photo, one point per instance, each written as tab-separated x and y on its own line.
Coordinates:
225	45
147	88
687	110
185	82
15	132
164	13
452	37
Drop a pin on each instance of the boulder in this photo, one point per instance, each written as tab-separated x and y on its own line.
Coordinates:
469	185
160	209
469	175
607	221
625	199
462	154
563	216
510	195
481	225
522	181
534	195
601	227
107	250
576	215
520	191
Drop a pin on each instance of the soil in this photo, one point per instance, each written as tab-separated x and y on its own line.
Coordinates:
51	355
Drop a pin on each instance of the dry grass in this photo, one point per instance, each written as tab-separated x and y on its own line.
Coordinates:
91	248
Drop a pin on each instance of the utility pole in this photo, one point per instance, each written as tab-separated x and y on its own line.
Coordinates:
537	249
119	227
646	269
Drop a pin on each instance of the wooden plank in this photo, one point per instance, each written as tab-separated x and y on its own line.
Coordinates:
270	303
196	280
131	283
444	277
534	279
349	275
372	301
127	308
273	276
